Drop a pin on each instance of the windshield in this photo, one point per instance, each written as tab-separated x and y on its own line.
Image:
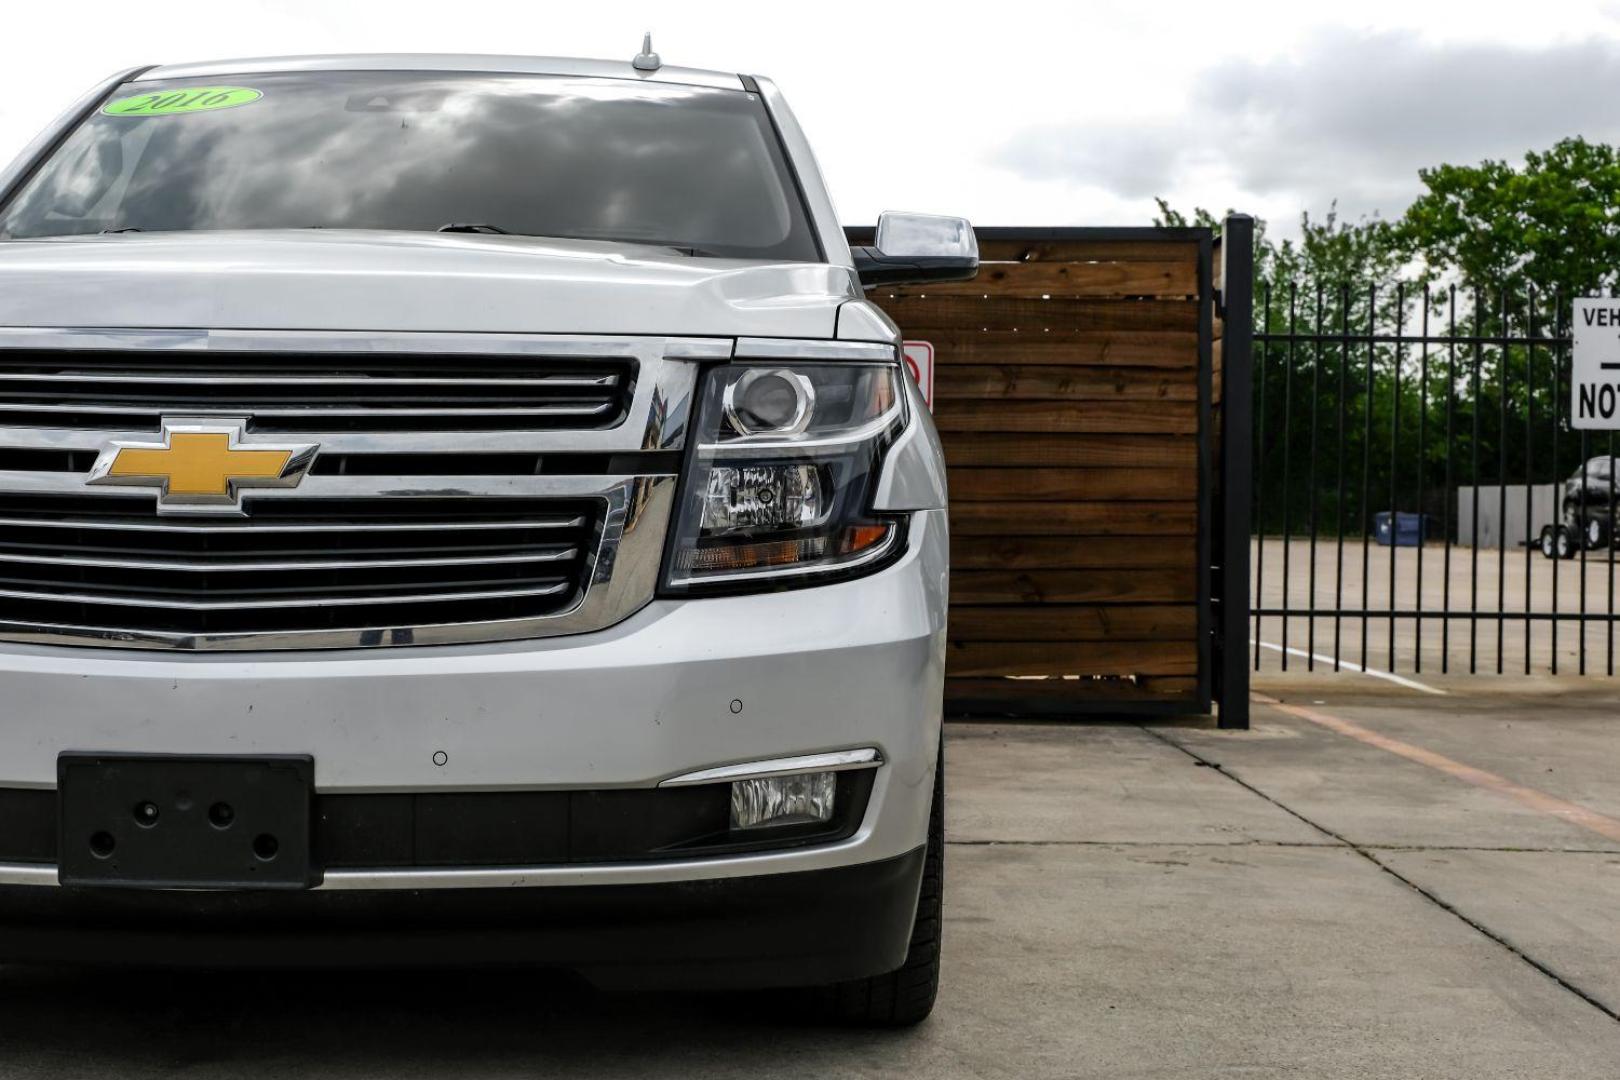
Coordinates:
606	159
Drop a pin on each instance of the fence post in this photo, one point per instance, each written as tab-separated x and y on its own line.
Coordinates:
1236	470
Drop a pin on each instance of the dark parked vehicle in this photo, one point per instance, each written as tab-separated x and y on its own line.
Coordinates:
1587	511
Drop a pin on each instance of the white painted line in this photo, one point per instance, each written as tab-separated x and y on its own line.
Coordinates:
1410	684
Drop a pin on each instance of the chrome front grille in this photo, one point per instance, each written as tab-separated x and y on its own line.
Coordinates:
466	487
295	565
301	392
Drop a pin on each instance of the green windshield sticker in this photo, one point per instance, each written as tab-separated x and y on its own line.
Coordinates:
178	102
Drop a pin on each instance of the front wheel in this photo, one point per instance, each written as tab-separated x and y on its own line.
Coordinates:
906	995
1597	534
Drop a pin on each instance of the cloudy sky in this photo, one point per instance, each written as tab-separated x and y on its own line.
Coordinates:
1013	113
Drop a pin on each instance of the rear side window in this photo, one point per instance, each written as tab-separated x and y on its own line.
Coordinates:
606	159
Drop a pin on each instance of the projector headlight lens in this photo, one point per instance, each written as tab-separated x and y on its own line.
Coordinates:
763	401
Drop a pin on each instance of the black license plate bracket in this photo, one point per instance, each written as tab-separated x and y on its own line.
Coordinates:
170	821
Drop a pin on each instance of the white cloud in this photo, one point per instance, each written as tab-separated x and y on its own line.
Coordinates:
1024	112
1351	117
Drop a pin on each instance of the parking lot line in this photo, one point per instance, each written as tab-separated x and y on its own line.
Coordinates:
1398	680
1539	801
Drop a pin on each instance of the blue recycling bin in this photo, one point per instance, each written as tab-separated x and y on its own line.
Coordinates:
1406	530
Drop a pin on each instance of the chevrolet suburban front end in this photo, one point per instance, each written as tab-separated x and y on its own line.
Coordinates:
462	509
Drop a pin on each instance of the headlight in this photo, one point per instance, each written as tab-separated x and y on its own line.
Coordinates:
779	483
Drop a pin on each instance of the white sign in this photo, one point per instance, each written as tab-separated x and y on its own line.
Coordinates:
920	361
1595	383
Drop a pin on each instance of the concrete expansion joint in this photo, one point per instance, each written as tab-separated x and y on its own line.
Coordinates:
1367	852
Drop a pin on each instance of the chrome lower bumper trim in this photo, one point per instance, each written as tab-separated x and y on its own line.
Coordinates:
505	877
27	874
838	761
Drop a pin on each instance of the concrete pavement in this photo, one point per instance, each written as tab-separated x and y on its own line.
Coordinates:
1515	580
1122	900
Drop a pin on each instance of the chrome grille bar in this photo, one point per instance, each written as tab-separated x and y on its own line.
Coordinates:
235	409
345	487
249	566
665	437
550	589
186	527
559	381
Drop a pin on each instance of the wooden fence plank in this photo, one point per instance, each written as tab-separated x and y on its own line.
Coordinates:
1036	382
1034	280
1123	417
1167	586
1122	349
1071	485
1056	691
998	250
971	658
1077	451
1060	623
921	314
1146	519
1005	552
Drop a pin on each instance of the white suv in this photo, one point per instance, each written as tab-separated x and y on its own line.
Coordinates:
462	509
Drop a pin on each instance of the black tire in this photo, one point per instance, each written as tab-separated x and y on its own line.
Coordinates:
1549	548
905	996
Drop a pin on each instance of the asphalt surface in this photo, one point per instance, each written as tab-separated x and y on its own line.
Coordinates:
1375	882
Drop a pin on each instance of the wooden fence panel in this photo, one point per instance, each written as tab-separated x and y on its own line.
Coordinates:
1068	394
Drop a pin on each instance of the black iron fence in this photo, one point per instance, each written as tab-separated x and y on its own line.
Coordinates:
1421	500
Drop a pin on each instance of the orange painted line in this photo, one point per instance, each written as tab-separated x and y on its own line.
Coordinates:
1539	801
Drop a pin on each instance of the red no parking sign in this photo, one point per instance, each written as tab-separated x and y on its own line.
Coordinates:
920	362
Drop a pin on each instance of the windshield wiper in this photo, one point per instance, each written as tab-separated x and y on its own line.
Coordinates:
123	229
676	245
495	230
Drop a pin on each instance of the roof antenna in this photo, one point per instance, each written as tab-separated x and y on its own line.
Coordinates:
646	59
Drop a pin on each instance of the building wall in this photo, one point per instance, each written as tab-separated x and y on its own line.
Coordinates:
1493	525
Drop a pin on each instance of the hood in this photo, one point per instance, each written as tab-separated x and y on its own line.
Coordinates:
348	280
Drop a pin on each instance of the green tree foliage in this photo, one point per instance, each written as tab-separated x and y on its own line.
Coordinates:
1326	285
1488	251
1330	250
1554	224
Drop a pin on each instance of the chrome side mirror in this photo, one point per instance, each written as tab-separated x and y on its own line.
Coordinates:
913	249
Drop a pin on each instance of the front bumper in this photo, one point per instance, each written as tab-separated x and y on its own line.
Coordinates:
798	929
681	686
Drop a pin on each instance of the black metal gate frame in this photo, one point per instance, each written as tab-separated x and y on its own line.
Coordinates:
1234	523
1556	347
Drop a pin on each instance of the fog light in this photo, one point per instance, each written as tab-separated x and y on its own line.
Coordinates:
803	799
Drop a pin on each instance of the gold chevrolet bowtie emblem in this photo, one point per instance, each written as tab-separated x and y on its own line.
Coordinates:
202	465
